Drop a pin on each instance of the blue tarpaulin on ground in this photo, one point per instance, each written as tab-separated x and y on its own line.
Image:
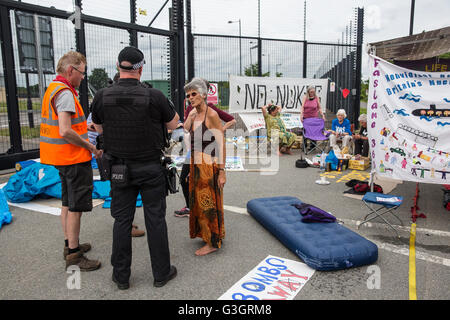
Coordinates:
36	179
41	180
5	214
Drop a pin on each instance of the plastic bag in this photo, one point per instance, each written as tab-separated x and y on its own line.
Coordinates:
332	159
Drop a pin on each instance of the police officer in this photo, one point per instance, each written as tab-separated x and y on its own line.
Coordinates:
132	118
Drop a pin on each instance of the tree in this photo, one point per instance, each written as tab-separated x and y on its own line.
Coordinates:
99	78
364	90
252	71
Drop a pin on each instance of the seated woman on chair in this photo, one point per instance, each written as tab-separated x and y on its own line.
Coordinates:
340	130
274	122
360	137
311	108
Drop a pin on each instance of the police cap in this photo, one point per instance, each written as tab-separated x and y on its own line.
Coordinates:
132	55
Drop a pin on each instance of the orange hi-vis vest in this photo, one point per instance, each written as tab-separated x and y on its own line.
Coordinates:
54	149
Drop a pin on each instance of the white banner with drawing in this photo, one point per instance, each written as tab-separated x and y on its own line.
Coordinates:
409	122
254	121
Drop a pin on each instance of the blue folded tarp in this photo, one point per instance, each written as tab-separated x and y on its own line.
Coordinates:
36	179
5	214
43	181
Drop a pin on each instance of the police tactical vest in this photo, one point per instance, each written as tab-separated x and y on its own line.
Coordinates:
132	126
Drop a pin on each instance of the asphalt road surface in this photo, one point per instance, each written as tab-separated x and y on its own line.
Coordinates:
32	266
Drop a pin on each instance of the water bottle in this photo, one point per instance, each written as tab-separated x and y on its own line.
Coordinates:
322	161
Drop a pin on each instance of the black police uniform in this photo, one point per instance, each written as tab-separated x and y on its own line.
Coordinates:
132	116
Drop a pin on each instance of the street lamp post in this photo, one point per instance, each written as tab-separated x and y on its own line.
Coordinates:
251	64
162	56
151	59
240	45
276	67
268	61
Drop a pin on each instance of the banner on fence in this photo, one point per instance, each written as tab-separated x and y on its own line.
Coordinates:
409	122
249	94
272	279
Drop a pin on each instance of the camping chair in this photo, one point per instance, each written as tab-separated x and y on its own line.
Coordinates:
313	130
387	204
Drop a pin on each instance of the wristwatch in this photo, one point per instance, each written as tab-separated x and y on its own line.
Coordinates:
223	169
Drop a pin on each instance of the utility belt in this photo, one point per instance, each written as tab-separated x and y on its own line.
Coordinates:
116	170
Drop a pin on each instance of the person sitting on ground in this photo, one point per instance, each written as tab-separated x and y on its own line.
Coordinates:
274	123
360	137
340	129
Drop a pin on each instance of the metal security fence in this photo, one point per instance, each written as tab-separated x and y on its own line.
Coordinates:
216	57
26	71
34	37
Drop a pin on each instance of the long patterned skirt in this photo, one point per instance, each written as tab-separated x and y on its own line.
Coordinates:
205	201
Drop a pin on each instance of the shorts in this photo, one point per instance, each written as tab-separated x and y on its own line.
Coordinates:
77	186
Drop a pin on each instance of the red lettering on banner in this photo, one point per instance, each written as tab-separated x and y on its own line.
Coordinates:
293	275
280	293
376	73
291	285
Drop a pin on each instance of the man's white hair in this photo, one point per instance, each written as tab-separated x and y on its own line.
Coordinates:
362	117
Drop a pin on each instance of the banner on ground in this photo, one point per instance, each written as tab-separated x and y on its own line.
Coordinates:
231	163
408	115
254	121
272	279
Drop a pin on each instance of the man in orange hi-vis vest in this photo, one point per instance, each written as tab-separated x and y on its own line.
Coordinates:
64	144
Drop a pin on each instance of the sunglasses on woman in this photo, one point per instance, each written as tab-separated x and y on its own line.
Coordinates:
193	94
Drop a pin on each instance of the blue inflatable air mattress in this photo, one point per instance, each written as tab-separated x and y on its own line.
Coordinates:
322	246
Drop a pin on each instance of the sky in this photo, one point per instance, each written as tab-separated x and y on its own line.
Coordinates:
326	20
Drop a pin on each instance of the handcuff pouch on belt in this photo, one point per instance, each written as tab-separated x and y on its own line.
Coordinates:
119	173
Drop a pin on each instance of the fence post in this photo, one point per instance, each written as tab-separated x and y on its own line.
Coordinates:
133	33
259	57
305	57
190	43
177	64
80	39
359	43
10	81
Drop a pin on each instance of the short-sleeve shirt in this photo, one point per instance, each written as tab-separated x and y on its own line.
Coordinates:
341	127
64	102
